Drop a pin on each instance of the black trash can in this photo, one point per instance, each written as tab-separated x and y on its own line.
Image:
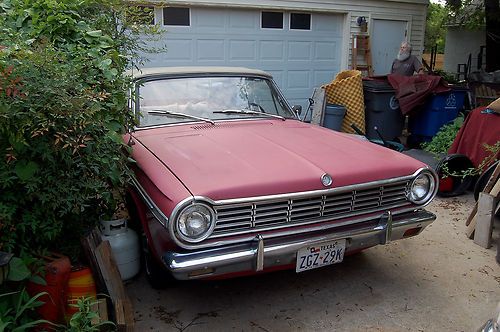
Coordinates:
382	110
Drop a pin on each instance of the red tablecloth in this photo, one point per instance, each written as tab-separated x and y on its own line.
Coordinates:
478	128
412	91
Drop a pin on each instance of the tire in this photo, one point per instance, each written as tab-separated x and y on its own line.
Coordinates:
158	277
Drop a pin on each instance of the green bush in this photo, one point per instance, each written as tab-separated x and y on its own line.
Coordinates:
444	138
63	100
17	306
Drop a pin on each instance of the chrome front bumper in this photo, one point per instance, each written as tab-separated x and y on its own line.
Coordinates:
265	253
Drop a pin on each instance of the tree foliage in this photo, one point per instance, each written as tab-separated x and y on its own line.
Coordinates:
467	13
434	33
63	108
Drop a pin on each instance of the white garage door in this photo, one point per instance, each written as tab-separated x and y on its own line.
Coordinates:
299	60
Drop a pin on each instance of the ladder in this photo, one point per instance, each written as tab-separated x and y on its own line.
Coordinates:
361	51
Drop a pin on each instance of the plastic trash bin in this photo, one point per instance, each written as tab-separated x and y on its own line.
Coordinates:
334	116
440	109
382	110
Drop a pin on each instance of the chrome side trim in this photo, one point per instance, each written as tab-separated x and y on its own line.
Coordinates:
155	210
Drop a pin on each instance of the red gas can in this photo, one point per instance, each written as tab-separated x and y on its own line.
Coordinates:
57	269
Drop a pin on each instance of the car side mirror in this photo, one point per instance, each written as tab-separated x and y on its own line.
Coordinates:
297	109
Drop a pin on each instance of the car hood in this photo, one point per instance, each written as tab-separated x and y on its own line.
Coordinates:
255	158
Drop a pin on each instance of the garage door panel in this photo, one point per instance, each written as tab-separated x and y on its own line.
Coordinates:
271	50
321	77
240	20
179	49
208	19
298	79
332	24
299	50
210	49
242	50
325	51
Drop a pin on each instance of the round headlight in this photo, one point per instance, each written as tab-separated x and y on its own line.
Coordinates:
422	188
195	222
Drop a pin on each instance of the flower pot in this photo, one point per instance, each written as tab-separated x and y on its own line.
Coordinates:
446	184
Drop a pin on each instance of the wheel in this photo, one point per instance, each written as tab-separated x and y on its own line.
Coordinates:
157	275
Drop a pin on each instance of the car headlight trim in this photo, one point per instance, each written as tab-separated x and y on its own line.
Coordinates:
195	222
422	188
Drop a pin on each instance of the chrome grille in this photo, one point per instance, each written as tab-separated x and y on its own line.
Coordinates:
273	213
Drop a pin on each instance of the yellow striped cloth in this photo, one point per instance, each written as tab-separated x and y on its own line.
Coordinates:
347	90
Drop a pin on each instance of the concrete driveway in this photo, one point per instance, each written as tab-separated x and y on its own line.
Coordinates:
437	281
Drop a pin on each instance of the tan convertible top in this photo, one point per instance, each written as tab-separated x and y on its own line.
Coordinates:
173	71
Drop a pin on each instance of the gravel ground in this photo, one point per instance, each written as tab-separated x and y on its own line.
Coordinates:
437	281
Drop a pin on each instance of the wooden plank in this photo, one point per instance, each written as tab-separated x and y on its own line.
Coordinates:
89	244
471	215
469	231
495	190
123	310
487	188
102	308
120	316
492	180
128	311
484	222
109	280
125	315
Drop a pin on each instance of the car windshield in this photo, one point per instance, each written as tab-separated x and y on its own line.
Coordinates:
176	100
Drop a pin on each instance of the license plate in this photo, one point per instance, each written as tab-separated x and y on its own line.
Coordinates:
320	255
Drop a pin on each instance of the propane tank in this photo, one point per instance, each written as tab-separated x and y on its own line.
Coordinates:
124	244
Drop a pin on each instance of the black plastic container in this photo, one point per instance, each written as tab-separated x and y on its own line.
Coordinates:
382	110
451	171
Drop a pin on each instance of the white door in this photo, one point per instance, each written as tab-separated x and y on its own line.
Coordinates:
299	60
386	37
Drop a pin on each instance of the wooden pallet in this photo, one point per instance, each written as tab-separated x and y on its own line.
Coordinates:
108	279
480	221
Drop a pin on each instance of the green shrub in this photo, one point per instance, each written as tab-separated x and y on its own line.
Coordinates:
17	307
86	319
444	138
63	99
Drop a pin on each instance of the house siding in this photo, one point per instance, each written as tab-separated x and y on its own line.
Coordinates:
459	44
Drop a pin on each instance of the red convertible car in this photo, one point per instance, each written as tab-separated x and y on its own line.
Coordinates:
229	182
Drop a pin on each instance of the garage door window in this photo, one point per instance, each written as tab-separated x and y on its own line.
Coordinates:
178	16
300	21
272	20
